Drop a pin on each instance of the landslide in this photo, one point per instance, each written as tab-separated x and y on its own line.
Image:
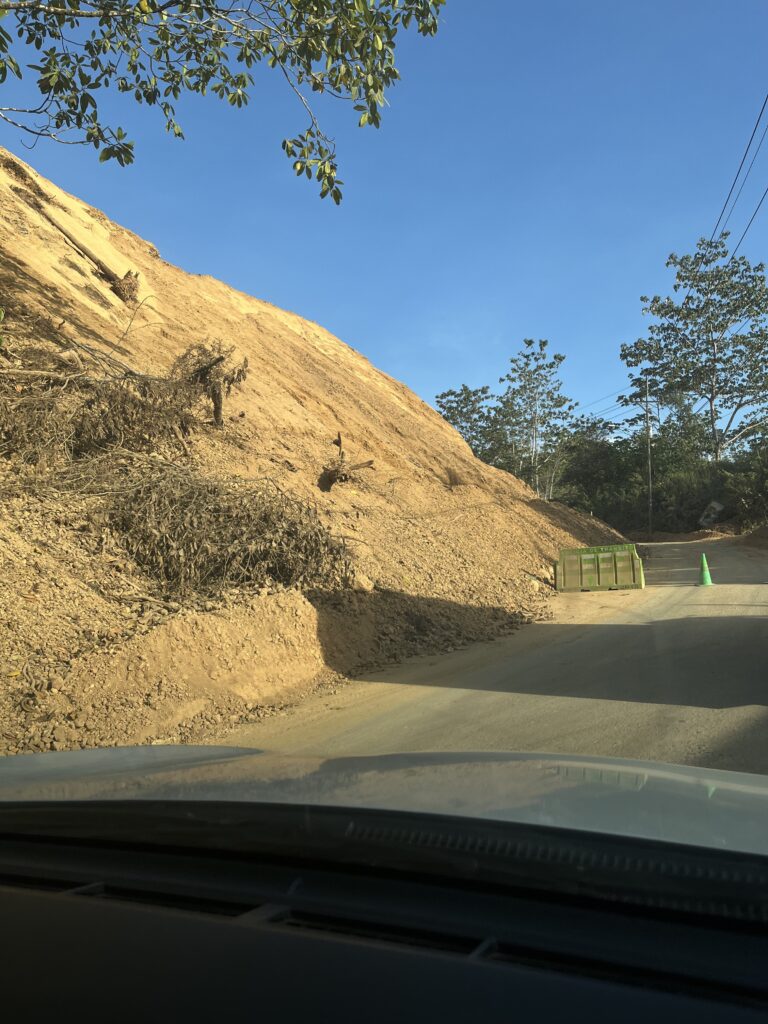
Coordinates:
95	648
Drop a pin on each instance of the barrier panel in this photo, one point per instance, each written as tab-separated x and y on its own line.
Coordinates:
606	567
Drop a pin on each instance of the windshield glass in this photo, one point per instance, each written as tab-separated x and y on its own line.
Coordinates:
323	445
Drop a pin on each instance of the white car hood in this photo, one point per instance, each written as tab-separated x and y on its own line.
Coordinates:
699	806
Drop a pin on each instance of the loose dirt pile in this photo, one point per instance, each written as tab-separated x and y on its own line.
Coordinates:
94	650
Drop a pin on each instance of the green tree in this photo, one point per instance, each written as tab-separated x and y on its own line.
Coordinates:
486	426
536	410
156	50
468	410
710	346
602	471
680	438
745	489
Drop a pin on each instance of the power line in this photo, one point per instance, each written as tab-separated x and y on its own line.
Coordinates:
603	399
744	157
610	409
749	225
730	193
744	180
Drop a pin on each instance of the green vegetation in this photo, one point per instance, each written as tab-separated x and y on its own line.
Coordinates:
524	429
698	387
157	50
709	348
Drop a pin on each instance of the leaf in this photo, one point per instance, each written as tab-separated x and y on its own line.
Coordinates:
153	55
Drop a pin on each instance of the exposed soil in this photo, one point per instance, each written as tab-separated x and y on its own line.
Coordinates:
446	550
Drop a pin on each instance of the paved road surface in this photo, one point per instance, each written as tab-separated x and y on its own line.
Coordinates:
674	673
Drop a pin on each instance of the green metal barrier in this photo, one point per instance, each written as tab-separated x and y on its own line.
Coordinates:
606	567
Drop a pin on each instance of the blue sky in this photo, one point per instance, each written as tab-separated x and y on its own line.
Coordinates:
537	164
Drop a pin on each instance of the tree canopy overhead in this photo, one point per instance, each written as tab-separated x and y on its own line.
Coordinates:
156	50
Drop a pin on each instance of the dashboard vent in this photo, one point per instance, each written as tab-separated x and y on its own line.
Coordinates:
126	894
41	884
381	932
170	900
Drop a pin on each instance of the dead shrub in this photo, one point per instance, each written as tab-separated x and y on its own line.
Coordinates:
132	412
127	287
208	366
338	470
197	534
453	478
39	393
70	415
35	423
57	405
21	174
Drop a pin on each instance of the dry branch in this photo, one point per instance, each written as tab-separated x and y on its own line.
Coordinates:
101	266
126	287
52	375
197	534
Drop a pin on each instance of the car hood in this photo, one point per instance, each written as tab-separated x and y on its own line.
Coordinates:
699	806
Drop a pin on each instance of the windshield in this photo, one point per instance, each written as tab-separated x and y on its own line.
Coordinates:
323	445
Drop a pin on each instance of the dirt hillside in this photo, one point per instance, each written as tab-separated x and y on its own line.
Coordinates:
446	550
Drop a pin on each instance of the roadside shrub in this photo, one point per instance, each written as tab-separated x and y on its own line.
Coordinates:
198	534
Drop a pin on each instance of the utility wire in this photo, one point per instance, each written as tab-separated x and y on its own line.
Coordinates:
749	225
620	405
610	409
597	401
744	157
730	193
744	180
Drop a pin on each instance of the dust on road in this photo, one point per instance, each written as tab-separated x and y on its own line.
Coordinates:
674	673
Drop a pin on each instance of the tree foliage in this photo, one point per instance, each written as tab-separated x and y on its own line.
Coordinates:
470	411
536	410
156	50
711	345
705	361
522	429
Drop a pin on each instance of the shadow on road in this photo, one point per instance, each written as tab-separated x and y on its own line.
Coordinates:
716	661
746	750
364	629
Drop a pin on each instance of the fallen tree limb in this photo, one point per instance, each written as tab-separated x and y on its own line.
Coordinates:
110	274
126	287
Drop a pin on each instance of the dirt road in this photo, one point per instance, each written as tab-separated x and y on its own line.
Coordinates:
675	673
